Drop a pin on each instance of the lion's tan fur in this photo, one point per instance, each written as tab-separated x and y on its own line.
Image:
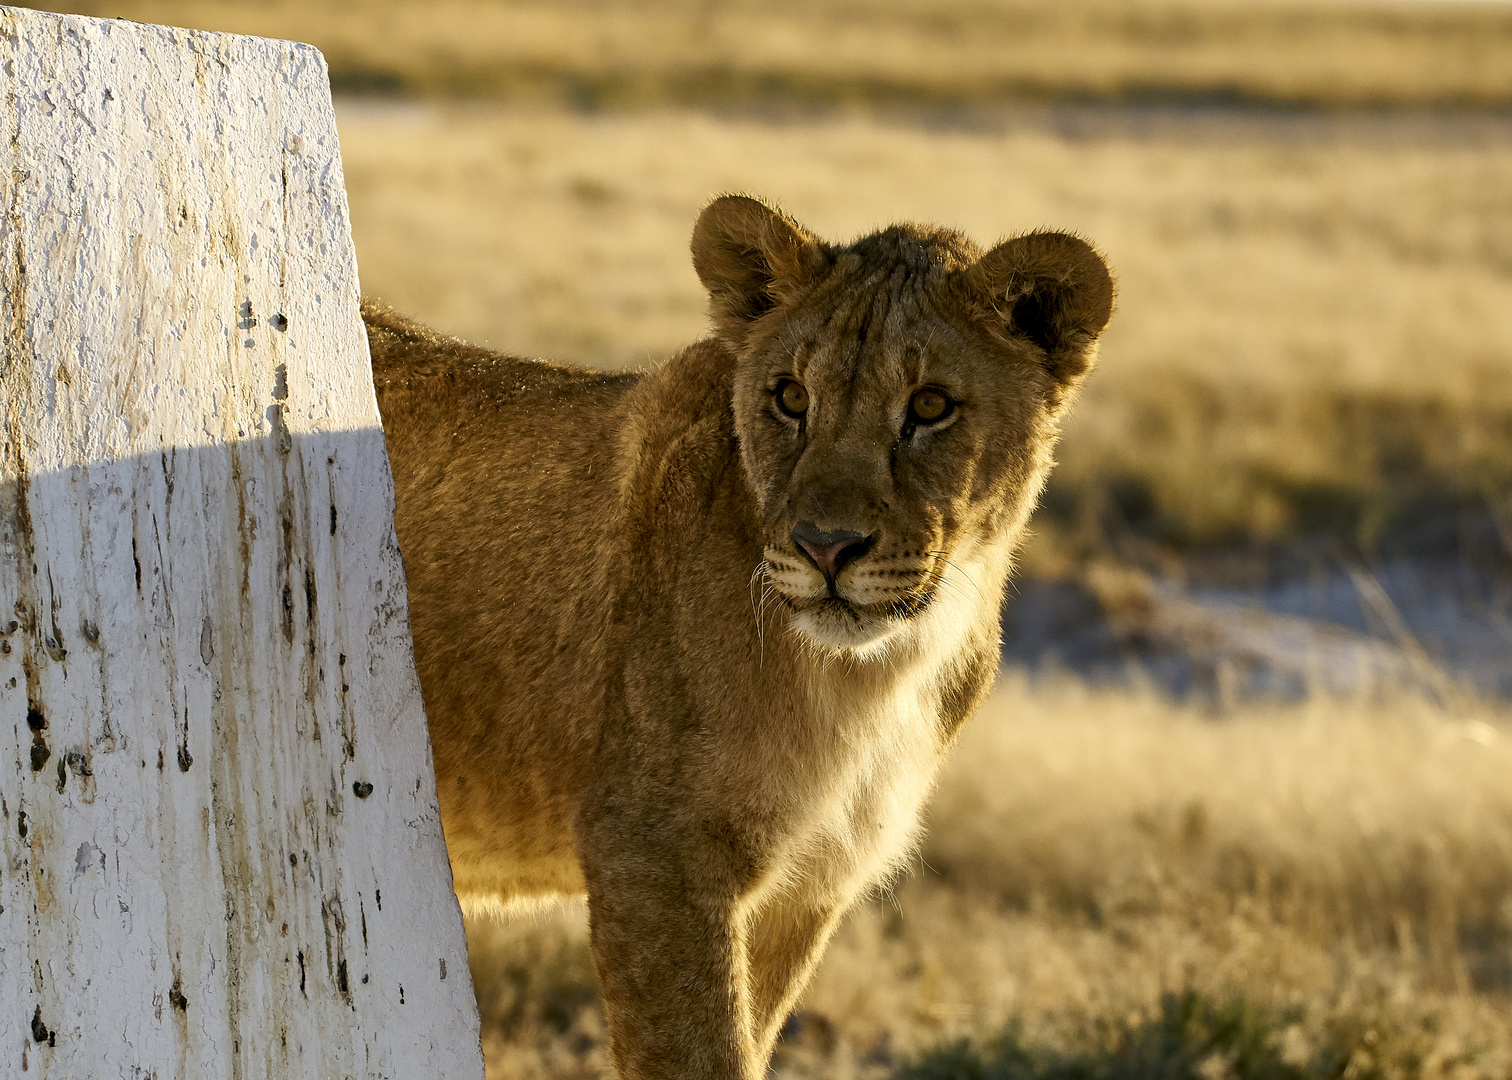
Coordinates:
637	686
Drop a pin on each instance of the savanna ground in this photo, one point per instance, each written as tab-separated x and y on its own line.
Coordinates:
1309	208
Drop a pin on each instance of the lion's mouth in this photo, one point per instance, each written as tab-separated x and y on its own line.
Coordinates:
860	602
903	607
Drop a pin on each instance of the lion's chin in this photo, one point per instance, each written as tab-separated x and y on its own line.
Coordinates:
839	628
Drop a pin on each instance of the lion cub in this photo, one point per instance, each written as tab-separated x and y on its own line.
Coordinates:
695	640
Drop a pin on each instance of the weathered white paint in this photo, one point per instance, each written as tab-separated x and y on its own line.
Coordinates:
222	853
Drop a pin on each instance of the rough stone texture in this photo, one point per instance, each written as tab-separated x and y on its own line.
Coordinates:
222	854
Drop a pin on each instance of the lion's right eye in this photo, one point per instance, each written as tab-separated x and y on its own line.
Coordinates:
792	398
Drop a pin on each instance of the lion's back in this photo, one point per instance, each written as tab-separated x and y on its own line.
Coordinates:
503	475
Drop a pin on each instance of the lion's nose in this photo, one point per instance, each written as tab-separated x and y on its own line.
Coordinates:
831	552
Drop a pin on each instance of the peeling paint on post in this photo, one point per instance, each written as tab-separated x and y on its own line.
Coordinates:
213	759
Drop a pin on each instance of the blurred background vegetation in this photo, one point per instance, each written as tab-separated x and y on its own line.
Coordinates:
1241	804
1308	203
828	52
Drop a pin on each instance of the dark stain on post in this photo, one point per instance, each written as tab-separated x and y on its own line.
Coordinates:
275	413
333	519
137	562
302	973
286	567
54	641
62	774
38	724
361	788
309	577
21	824
185	758
207	641
176	996
279	323
22	506
39	1029
341	978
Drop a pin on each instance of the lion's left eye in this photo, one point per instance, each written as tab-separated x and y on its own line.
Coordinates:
929	406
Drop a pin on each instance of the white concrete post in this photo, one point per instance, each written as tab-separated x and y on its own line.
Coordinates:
222	855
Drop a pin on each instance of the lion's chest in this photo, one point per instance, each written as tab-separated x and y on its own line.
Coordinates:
853	812
847	781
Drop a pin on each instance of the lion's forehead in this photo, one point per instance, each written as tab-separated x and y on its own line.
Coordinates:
873	345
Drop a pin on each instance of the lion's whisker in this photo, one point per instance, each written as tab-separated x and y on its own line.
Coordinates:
940	556
759	606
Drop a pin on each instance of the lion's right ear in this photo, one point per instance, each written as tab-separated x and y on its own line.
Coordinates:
751	258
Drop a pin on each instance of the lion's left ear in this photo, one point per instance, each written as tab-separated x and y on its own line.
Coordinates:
1049	288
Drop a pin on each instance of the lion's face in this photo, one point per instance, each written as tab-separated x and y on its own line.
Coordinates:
895	403
883	444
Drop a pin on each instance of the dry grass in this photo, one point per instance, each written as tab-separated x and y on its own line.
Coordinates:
944	51
1344	870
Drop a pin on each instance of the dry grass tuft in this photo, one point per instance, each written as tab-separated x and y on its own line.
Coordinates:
1384	827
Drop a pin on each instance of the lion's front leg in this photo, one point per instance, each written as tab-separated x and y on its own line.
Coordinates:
668	946
786	940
